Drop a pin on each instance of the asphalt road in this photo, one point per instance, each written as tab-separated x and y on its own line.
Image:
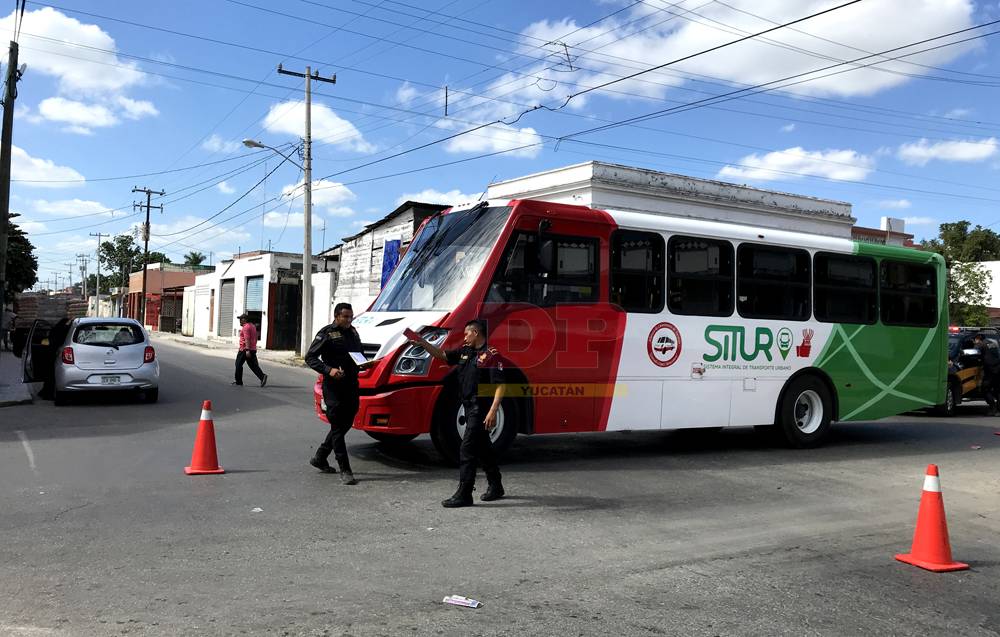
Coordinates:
620	534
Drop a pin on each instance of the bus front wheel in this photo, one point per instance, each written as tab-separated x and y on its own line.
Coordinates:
449	427
805	412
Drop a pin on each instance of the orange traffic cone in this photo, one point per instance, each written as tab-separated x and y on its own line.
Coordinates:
204	458
931	549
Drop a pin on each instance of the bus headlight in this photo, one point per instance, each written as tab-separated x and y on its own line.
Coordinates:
415	360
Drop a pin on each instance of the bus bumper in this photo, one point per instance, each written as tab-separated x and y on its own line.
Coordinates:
403	411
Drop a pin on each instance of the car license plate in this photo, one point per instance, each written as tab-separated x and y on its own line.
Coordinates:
110	380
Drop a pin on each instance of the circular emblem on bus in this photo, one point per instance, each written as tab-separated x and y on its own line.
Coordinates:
664	344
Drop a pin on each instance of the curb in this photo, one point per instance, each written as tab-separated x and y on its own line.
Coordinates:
24	399
294	361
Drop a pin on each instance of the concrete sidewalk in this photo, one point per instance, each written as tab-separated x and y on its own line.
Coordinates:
281	357
12	390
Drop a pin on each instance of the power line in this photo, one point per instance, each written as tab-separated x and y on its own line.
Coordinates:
124	177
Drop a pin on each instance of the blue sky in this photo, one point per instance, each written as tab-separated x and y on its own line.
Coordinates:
105	98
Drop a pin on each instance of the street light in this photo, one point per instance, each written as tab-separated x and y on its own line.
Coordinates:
306	166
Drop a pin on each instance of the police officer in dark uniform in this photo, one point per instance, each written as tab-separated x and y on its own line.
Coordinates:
481	385
330	355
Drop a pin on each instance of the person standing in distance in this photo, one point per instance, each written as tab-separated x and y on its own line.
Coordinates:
991	372
330	356
481	385
248	351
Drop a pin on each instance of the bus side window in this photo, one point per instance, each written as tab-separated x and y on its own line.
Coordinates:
773	283
637	271
700	275
908	294
572	277
845	289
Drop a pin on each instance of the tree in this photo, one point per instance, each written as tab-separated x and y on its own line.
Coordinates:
969	294
122	256
22	265
107	282
968	282
956	243
194	258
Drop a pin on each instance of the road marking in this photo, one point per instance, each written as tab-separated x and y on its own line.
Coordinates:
27	450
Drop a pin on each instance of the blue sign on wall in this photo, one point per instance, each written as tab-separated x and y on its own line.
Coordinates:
390	258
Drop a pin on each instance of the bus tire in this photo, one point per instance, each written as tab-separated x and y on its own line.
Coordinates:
805	412
449	425
391	439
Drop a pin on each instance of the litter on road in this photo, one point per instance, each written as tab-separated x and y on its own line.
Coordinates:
458	600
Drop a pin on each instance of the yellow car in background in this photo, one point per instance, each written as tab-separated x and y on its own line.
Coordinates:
965	367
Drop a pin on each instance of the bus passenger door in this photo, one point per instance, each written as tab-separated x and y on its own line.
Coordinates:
544	314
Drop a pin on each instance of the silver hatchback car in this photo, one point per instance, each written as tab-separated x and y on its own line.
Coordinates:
101	354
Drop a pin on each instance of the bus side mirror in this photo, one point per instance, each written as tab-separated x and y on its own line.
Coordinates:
546	255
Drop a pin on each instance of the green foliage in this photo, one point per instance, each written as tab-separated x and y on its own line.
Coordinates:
968	294
968	282
194	258
121	256
22	265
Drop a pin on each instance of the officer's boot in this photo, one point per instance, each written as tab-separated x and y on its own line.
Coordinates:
462	497
495	490
346	476
319	460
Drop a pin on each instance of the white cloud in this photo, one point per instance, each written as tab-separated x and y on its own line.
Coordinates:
787	128
430	195
81	118
919	221
894	204
225	188
406	93
29	226
277	219
71	207
327	127
797	162
341	211
137	109
921	152
958	113
204	238
670	34
216	144
87	71
325	194
499	137
30	169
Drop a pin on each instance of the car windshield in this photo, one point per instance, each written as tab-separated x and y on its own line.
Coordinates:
443	261
108	334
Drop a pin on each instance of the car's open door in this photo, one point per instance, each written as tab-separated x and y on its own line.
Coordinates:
35	351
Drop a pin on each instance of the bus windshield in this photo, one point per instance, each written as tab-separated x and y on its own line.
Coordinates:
443	261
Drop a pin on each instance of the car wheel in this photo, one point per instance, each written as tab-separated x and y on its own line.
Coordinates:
151	395
60	398
950	404
390	439
448	427
805	412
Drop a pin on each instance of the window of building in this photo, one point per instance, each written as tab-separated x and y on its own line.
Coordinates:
563	271
845	289
637	271
773	283
700	276
908	294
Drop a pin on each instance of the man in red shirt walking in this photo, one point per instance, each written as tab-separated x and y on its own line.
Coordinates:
248	351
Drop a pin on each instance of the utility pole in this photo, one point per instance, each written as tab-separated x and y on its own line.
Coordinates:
70	280
307	220
6	137
84	261
98	235
145	246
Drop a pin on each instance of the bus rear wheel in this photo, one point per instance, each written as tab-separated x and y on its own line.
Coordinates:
449	427
805	412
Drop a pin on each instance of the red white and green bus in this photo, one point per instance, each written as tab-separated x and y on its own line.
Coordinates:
613	320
